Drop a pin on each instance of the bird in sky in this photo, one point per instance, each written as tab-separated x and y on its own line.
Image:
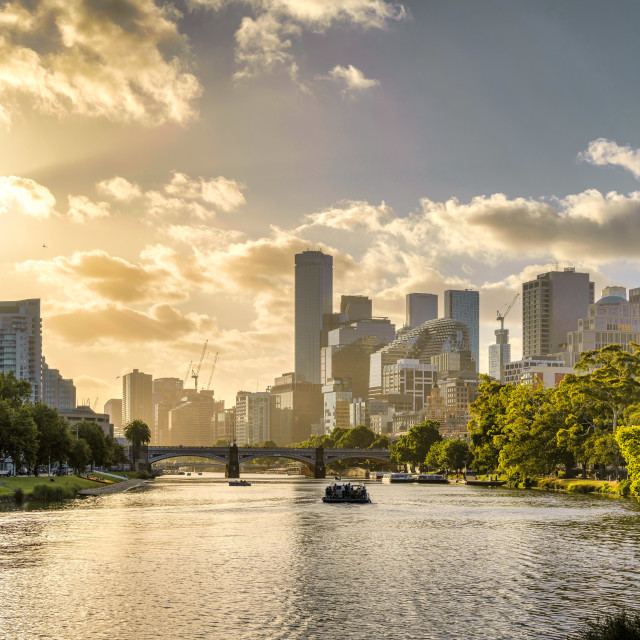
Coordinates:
44	246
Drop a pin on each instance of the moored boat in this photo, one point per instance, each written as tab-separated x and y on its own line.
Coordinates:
399	477
350	493
432	478
239	483
485	483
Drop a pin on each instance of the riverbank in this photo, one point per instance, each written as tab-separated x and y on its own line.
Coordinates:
108	489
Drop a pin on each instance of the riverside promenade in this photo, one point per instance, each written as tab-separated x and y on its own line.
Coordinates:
108	489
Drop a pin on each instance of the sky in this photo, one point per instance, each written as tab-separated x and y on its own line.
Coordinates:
162	162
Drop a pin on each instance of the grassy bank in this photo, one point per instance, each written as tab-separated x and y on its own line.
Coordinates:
62	486
577	485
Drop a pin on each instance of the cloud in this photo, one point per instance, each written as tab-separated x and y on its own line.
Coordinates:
266	39
351	79
350	214
125	60
81	209
96	275
160	323
119	188
26	197
602	152
224	194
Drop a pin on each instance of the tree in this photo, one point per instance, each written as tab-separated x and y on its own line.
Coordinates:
381	442
79	454
116	452
433	459
54	438
15	392
269	444
137	433
94	436
456	454
629	440
359	437
18	434
413	447
221	442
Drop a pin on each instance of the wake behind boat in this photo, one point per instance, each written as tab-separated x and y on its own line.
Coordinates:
351	493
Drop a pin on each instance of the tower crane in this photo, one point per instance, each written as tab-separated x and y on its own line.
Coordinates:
502	316
195	373
186	375
213	368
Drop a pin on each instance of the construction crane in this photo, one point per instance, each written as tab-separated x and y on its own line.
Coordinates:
195	373
186	375
502	316
213	368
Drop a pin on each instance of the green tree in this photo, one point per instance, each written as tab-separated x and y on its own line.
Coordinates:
628	439
15	392
456	454
137	432
18	434
116	452
94	436
413	447
381	442
54	437
359	437
79	454
434	458
269	444
221	442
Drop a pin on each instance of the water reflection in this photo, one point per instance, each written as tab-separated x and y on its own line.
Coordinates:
195	558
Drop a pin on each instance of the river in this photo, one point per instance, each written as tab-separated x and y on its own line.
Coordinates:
191	557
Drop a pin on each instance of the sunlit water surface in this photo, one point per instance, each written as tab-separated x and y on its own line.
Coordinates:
194	558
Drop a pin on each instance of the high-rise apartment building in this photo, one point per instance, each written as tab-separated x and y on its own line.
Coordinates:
57	392
252	417
21	342
499	354
356	308
552	304
313	300
337	402
464	306
113	408
191	421
137	402
165	395
421	307
410	378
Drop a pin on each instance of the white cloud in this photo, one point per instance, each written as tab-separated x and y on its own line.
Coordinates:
224	194
81	209
602	152
351	79
350	214
119	188
125	61
25	196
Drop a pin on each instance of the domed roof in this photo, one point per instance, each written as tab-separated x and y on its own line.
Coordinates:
612	300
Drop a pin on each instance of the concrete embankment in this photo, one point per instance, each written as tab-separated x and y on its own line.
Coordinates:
118	487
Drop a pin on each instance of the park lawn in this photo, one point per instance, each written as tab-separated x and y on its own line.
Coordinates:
26	483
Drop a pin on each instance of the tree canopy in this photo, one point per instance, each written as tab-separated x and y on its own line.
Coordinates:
412	448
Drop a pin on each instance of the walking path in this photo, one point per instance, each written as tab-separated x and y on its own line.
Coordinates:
108	489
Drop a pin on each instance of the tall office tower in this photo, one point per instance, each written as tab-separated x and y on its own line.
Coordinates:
113	408
190	422
252	417
420	308
57	392
137	403
464	306
552	304
356	308
499	354
166	394
634	295
313	299
21	342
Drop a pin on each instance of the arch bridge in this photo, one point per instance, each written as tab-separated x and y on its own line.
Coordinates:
232	457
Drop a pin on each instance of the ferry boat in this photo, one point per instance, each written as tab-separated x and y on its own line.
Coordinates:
350	493
376	475
239	483
399	477
432	478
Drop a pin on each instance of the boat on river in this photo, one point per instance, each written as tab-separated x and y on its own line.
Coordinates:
432	478
239	483
485	483
349	493
399	477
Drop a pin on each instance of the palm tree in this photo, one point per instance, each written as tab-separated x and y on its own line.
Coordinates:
137	433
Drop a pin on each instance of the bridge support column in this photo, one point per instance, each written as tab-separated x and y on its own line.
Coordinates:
319	470
233	468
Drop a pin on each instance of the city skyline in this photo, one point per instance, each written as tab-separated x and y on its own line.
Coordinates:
383	133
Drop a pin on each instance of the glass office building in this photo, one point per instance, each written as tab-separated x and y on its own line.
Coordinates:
464	306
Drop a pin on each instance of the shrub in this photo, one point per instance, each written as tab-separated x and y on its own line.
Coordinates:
142	475
620	626
582	487
624	488
550	484
18	496
606	488
527	483
48	493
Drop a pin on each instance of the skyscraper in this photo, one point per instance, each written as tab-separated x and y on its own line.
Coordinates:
137	401
552	304
499	354
113	408
421	307
313	299
57	392
21	342
464	306
356	308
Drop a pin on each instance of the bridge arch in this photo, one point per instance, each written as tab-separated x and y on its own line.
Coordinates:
167	456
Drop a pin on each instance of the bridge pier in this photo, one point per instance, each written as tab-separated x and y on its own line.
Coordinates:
319	470
232	470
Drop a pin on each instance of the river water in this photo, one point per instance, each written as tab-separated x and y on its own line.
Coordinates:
194	558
